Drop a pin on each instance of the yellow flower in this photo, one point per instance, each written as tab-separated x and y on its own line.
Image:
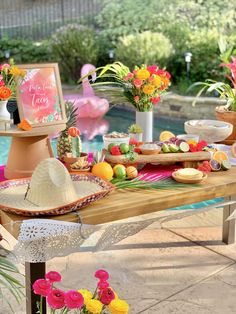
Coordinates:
15	71
118	306
157	81
142	74
148	89
93	306
86	294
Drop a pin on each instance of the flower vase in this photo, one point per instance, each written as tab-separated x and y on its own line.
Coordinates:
145	120
4	113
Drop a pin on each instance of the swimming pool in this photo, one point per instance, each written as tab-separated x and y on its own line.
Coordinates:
115	120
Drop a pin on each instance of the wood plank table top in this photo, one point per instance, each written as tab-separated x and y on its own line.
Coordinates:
129	203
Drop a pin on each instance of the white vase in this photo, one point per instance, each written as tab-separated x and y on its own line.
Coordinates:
4	114
145	120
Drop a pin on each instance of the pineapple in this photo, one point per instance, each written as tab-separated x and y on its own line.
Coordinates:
64	142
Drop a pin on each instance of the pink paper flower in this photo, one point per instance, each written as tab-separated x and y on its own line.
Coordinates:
4	66
102	284
74	299
101	274
56	299
137	83
53	276
106	296
152	69
155	100
136	98
42	287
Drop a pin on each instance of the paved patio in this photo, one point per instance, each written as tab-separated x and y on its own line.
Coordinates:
182	268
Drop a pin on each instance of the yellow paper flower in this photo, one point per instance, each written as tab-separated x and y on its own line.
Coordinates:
93	306
86	294
15	71
148	89
157	81
142	74
118	306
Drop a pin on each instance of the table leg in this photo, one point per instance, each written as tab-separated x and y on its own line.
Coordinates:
228	234
33	271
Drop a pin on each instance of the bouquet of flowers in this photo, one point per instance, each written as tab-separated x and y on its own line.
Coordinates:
9	75
142	87
103	300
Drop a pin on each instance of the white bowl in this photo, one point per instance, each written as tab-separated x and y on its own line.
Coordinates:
115	140
210	131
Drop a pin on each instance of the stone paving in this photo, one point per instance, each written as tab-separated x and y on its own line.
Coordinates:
182	268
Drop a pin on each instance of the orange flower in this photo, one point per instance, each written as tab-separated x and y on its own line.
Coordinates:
157	81
165	82
142	74
148	89
5	93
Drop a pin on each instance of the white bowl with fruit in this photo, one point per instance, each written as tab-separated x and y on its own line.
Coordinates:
116	138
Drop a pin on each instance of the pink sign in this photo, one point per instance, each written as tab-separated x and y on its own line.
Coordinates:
39	95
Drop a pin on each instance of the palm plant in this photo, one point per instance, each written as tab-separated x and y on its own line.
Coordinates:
7	277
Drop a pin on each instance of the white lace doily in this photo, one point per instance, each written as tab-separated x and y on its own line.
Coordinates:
42	239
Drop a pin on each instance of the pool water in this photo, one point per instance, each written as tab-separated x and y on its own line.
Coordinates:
115	120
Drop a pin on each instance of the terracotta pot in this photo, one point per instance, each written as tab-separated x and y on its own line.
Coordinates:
227	116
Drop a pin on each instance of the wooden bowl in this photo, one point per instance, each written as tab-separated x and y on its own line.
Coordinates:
191	181
145	151
80	170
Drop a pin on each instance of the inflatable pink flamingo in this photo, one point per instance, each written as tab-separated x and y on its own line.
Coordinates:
89	105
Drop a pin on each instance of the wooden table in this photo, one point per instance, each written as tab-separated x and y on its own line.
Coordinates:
124	204
28	148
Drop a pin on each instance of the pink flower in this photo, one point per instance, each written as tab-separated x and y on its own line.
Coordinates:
53	276
4	66
155	100
56	299
74	299
2	83
101	274
42	287
152	69
128	76
137	83
102	284
106	296
136	98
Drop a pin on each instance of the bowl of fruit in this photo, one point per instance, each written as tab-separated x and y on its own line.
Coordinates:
115	138
210	131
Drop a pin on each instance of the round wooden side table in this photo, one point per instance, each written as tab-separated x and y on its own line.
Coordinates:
27	149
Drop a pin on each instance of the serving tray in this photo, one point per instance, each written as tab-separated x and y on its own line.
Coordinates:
159	158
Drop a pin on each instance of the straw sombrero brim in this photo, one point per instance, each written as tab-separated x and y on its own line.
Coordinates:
89	189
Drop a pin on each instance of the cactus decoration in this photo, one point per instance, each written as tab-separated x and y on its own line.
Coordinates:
69	141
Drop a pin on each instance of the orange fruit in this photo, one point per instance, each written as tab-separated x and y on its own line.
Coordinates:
166	135
103	170
132	172
220	156
233	149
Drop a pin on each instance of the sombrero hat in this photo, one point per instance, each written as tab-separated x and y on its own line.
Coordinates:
52	190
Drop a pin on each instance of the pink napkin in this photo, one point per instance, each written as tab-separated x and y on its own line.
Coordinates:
157	172
2	178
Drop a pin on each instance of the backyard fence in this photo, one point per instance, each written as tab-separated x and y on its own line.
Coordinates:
37	19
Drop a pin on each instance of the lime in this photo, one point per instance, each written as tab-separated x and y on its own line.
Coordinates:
124	148
225	165
110	146
165	148
119	172
184	147
173	148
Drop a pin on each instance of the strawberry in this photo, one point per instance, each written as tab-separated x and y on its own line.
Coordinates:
115	150
137	150
133	141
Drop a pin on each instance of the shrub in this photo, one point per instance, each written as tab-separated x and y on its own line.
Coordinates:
144	48
73	46
24	51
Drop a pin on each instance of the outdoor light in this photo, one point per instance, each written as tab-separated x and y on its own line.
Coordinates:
111	54
7	54
188	57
